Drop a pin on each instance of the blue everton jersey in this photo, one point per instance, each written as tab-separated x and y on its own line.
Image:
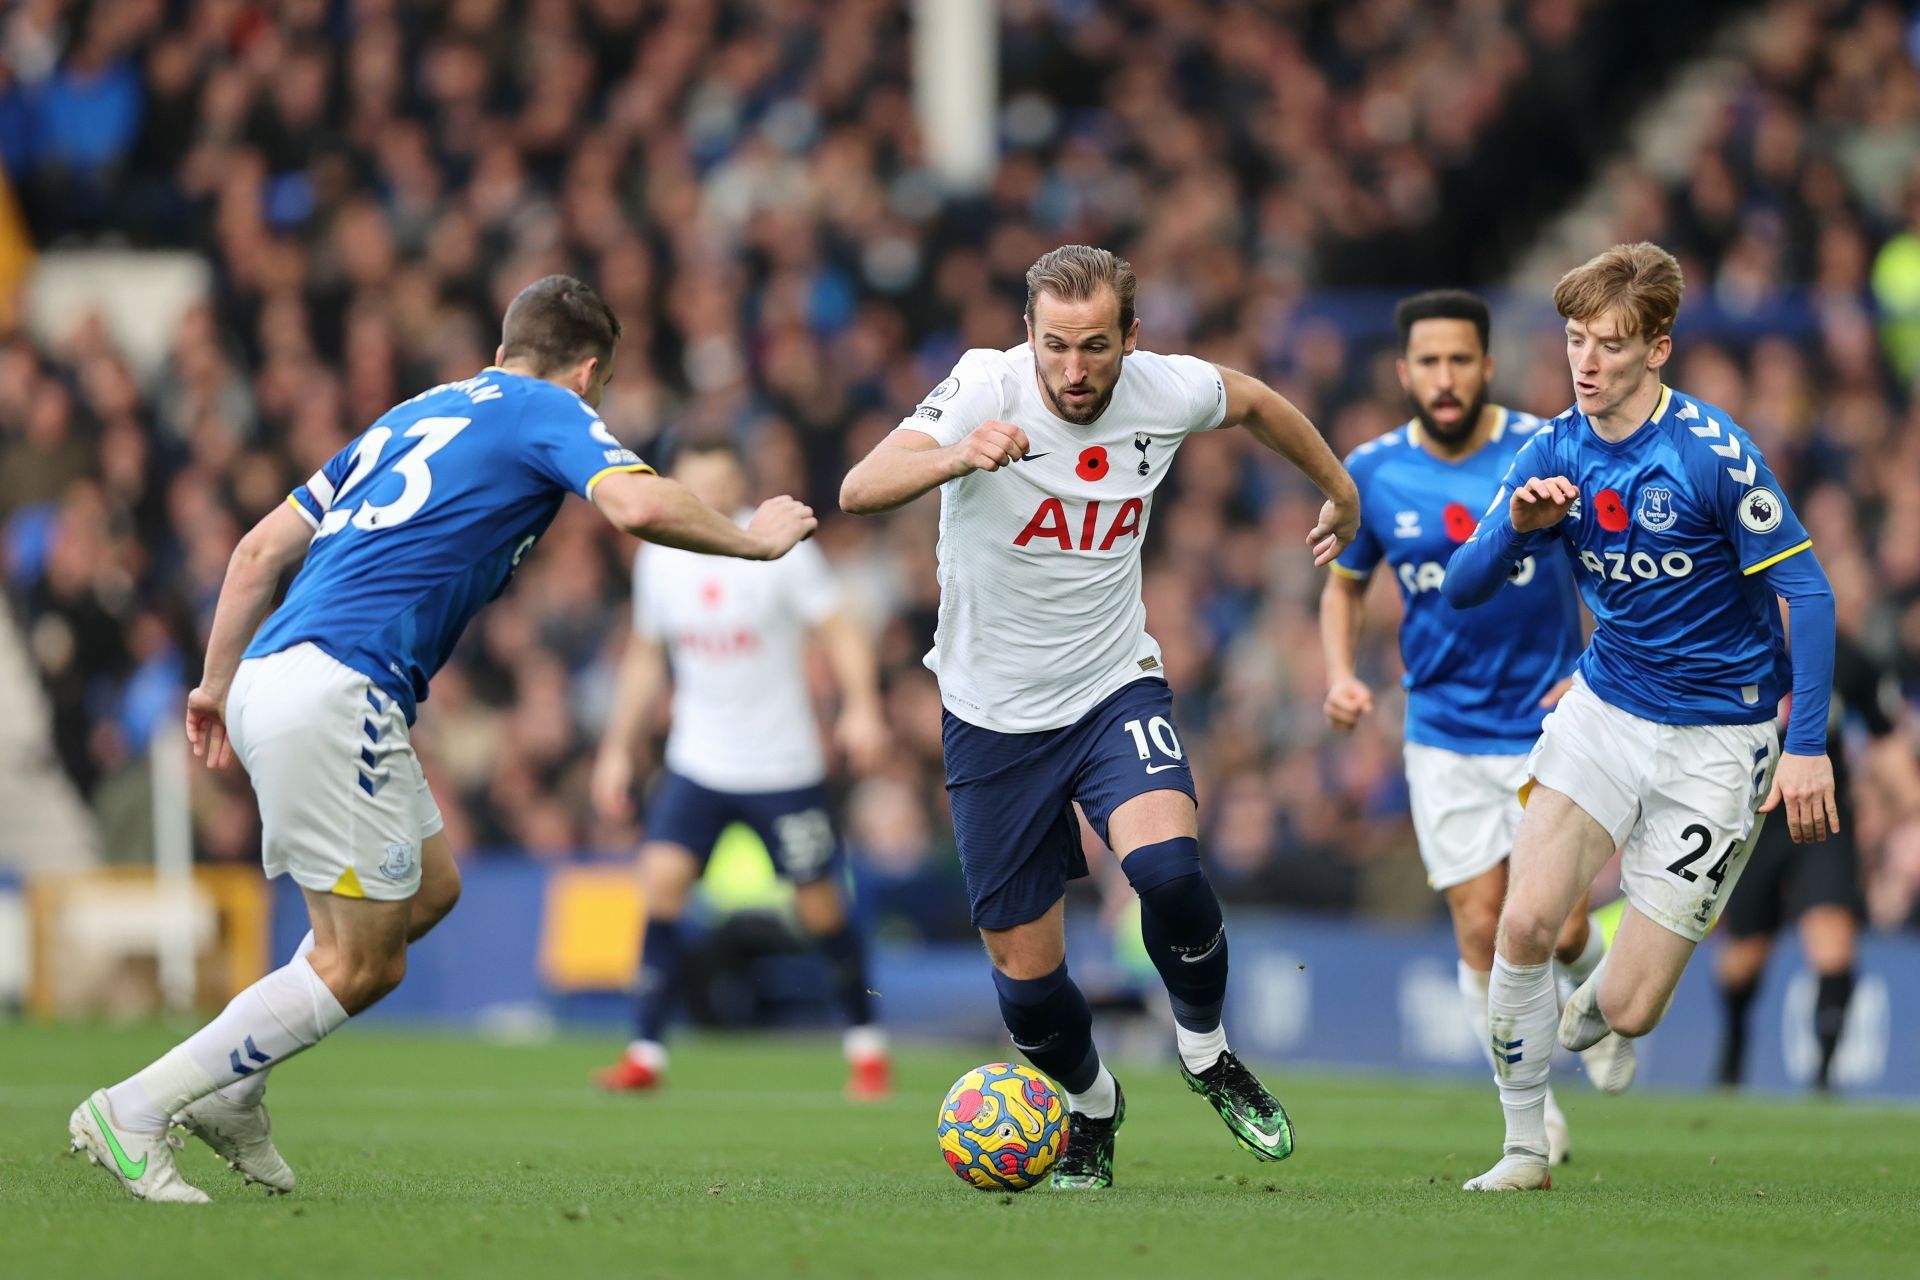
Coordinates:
1475	677
1669	539
422	520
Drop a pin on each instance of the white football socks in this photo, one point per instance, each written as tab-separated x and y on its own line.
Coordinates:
1570	974
1200	1049
1473	1000
1100	1099
288	1010
1523	1011
863	1044
248	1090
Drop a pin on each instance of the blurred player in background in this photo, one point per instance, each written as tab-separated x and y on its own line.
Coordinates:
1478	681
407	533
1047	456
1665	747
1818	886
744	747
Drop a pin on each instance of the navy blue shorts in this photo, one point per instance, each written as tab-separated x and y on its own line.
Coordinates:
794	825
1013	795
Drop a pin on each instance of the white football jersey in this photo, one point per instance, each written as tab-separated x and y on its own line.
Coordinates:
735	633
1040	608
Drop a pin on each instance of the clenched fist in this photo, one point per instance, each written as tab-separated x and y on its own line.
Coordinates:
1347	701
989	447
780	523
1541	503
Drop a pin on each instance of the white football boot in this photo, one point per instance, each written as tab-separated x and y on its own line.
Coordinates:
143	1162
240	1135
1608	1056
1517	1171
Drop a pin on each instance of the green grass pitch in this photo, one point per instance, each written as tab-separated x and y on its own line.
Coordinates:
423	1156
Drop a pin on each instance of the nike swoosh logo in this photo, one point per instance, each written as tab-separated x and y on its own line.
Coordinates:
1035	457
1161	768
128	1169
1269	1141
1218	939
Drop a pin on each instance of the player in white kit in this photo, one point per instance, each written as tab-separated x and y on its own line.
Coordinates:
1047	456
745	746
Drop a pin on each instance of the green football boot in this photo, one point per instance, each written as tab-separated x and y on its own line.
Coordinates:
1255	1117
1086	1163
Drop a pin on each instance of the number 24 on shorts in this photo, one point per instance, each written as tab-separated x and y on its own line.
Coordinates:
1683	866
1158	731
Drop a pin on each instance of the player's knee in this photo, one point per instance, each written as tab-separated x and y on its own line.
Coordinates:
1476	926
1022	954
819	907
434	903
1634	1014
359	980
1525	936
384	974
666	877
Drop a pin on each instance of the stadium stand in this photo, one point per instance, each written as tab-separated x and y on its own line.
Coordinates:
371	181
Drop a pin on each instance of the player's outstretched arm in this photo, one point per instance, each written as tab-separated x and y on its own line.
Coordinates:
908	463
1804	781
1270	418
661	510
1342	607
861	730
643	673
266	552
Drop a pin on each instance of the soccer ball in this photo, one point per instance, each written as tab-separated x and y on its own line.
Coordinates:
1001	1127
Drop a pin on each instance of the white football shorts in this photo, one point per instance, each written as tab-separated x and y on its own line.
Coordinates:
1681	801
344	805
1465	810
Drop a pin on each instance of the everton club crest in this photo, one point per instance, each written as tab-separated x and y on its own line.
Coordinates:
1656	513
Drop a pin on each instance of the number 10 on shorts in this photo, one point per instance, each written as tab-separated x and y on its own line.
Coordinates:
1159	733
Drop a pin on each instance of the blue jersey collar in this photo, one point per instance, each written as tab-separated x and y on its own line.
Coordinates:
1660	408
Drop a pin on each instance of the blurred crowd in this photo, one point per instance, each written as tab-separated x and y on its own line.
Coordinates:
371	180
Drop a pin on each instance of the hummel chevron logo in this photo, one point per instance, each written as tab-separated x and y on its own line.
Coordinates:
1507	1050
253	1052
1730	450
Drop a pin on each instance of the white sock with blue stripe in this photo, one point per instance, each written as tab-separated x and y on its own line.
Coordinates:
248	1090
288	1010
1523	1011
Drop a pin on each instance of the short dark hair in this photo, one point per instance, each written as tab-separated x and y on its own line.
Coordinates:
1443	304
558	321
698	444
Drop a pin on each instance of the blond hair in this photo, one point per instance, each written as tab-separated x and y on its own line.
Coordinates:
1641	281
1077	272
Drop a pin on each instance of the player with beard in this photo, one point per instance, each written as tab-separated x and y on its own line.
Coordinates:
1478	682
1047	456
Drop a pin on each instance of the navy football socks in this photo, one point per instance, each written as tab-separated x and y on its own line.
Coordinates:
1181	925
846	952
1052	1025
660	953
